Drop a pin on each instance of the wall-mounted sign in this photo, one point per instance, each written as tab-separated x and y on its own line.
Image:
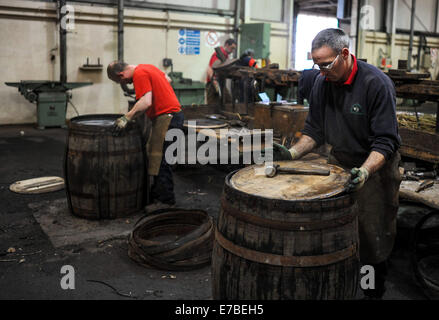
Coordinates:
212	39
189	42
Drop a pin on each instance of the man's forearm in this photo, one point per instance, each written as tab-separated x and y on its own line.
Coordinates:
209	73
141	106
374	162
304	145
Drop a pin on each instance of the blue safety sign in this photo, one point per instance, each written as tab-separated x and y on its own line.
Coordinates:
189	41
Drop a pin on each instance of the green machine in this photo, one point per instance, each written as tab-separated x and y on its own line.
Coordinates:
255	36
187	91
51	98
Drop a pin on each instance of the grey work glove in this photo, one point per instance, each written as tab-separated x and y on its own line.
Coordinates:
119	125
358	178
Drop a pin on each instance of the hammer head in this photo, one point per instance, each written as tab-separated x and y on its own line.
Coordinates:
270	171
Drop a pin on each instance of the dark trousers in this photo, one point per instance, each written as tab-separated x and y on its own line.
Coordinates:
380	279
213	97
163	186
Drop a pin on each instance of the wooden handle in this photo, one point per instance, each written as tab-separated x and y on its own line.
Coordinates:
315	172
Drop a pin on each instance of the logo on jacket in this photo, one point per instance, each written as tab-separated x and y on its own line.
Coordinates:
357	109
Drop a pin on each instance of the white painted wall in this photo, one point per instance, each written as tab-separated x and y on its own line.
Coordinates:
376	41
216	4
267	10
374	45
424	11
28	32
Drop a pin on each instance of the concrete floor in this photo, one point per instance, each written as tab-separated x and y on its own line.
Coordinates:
33	271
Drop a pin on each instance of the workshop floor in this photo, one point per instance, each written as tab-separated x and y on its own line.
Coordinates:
31	225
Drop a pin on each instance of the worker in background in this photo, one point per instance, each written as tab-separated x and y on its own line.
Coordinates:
213	86
247	60
156	98
353	108
306	82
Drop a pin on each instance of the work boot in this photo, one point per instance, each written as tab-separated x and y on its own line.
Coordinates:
381	271
157	205
374	294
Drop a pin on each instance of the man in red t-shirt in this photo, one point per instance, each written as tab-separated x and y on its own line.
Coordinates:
156	98
212	86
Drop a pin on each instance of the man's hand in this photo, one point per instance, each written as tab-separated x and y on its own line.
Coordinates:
280	152
216	86
359	177
119	125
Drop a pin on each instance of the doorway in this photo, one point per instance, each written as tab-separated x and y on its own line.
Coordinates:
307	28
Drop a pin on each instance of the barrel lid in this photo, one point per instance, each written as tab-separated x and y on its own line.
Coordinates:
97	123
297	187
203	123
95	120
38	185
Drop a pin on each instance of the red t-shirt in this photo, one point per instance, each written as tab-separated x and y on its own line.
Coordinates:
148	78
214	57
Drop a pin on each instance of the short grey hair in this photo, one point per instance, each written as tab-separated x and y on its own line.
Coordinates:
333	38
114	68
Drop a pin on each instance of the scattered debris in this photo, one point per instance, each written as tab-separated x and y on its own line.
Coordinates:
170	276
424	185
197	193
11	250
127	295
22	260
77	250
101	243
9	260
31	253
156	293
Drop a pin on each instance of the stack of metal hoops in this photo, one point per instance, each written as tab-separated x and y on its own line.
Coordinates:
190	246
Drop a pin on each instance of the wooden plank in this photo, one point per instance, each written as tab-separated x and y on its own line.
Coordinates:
419	145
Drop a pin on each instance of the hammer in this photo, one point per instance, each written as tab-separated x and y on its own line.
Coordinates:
271	171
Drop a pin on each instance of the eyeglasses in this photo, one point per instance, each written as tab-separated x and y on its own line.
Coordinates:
328	67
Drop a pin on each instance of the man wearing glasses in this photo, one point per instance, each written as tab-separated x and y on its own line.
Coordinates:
353	108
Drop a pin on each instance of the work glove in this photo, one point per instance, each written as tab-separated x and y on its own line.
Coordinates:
358	178
119	125
279	152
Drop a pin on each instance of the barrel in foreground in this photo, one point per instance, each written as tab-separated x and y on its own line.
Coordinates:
269	248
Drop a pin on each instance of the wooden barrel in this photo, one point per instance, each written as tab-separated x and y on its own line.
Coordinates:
282	246
105	176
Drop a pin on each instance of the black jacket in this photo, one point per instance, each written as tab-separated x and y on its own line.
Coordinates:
357	118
